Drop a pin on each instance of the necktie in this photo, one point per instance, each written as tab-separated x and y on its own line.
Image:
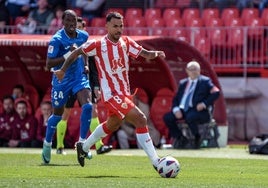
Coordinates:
189	96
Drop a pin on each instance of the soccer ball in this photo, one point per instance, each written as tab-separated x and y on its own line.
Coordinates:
168	167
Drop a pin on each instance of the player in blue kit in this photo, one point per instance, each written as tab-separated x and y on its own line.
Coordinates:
75	82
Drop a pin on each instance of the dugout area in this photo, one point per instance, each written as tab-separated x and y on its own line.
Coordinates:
23	57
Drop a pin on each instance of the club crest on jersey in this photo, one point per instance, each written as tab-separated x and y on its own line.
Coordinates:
50	49
124	105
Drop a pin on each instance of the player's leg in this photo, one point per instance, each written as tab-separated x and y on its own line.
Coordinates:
62	125
84	98
138	119
59	98
50	131
100	147
61	131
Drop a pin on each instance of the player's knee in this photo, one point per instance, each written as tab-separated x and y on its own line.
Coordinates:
53	120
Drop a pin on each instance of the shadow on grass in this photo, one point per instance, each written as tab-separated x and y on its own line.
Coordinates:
58	164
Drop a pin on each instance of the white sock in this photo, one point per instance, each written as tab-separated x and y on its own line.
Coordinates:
146	143
97	134
81	139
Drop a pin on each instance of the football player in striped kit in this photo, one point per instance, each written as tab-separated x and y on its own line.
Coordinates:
111	54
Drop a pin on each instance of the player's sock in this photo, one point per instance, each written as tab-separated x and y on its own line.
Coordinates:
93	125
85	120
51	127
61	130
146	143
100	132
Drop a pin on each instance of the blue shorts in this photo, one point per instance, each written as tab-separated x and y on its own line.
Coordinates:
61	91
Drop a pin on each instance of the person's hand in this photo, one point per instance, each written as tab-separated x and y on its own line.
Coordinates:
178	114
59	74
200	106
160	54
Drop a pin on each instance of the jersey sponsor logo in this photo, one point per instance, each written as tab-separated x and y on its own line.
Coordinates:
124	105
117	65
50	49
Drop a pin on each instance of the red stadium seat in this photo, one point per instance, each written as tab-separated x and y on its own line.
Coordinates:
32	95
210	13
179	33
214	22
137	26
156	22
171	13
152	13
174	22
256	27
190	13
228	14
161	104
132	13
249	13
234	22
203	45
98	22
264	16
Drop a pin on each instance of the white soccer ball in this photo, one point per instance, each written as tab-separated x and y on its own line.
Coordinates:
168	167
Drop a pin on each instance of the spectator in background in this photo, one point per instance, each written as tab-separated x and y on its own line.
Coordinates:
23	133
20	7
39	17
42	118
7	119
91	9
18	91
195	94
56	22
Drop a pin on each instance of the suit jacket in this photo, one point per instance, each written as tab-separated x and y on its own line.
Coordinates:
201	92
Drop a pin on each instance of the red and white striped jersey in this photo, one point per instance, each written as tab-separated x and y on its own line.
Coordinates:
112	61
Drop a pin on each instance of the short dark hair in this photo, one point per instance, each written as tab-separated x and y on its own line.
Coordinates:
80	20
19	86
111	15
8	97
68	11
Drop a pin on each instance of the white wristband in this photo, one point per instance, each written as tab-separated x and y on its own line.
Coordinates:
65	56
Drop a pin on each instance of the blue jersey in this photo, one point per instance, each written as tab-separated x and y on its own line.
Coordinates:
75	78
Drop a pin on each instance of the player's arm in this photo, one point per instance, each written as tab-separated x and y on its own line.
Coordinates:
53	62
73	56
151	54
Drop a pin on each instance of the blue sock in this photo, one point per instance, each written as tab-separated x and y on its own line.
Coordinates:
85	119
51	127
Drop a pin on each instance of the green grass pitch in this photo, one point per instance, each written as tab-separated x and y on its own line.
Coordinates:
226	168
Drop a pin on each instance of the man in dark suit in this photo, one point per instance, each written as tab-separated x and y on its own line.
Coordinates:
195	94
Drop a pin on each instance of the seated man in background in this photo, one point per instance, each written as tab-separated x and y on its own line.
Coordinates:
24	131
7	119
195	94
